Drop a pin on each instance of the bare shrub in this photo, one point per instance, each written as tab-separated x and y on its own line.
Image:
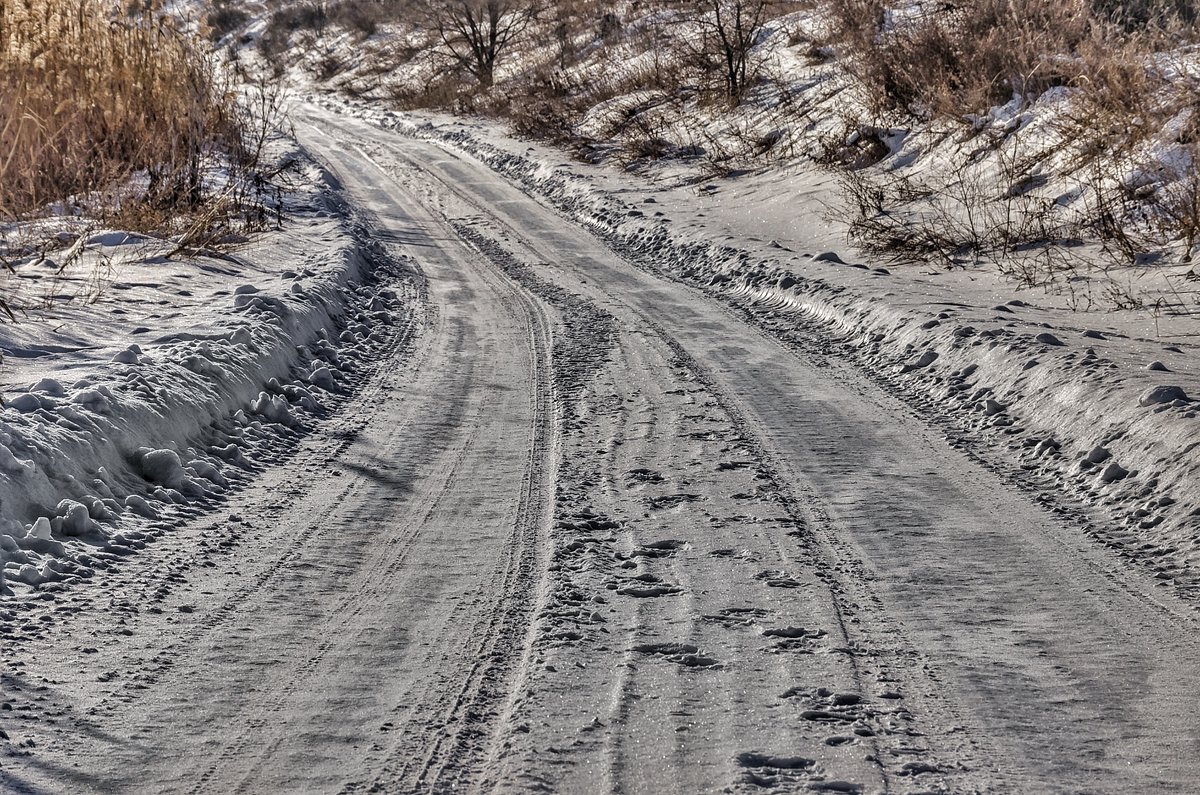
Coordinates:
950	60
550	108
610	27
985	209
307	15
444	89
223	18
475	33
363	16
731	29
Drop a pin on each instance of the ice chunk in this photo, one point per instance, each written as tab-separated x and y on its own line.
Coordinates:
209	472
92	399
1162	394
100	510
25	403
993	407
12	465
1113	472
140	506
927	358
322	377
40	529
273	407
231	453
50	386
75	518
162	467
29	575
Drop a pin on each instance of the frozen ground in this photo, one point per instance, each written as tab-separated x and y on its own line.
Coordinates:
495	472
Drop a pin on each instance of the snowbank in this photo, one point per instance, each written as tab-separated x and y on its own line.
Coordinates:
112	439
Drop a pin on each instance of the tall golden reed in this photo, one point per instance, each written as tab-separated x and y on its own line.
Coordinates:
92	94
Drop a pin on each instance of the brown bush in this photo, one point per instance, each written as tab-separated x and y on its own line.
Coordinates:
223	18
962	57
88	99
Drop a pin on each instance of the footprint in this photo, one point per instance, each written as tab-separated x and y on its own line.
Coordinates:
740	554
666	648
792	633
827	706
835	786
827	716
918	768
587	521
666	544
640	590
737	616
769	770
671	500
640	475
684	654
778	579
658	549
750	759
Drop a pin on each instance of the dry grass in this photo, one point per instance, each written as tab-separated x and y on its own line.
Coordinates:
112	115
633	82
89	99
931	60
1124	134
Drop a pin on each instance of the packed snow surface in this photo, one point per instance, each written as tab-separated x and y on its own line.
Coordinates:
496	471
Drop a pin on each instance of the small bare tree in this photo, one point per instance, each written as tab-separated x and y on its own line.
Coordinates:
731	29
478	32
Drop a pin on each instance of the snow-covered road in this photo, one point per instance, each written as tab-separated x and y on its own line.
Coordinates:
585	528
